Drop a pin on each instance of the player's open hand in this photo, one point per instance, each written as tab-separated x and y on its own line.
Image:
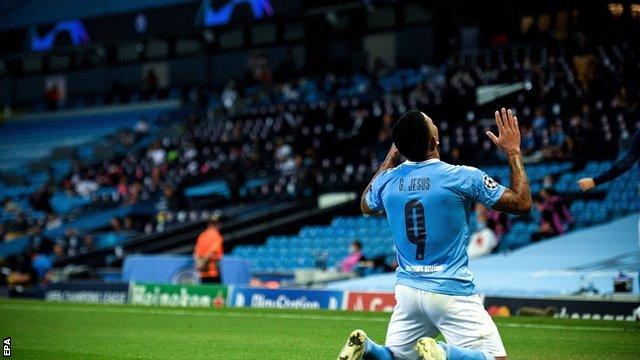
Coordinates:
508	138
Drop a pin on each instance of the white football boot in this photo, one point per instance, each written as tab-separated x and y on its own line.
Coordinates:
428	349
355	346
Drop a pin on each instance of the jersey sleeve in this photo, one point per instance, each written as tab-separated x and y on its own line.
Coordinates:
374	192
480	187
622	165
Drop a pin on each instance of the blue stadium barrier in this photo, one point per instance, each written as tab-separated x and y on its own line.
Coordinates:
174	269
162	269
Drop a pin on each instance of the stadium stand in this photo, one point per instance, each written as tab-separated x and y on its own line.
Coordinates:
304	135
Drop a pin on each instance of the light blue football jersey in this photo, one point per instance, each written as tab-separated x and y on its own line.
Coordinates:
428	205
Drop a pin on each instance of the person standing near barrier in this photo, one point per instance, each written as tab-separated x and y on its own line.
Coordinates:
209	251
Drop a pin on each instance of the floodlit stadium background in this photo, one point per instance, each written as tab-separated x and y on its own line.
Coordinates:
126	126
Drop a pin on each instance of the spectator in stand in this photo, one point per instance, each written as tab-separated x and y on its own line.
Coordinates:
18	271
135	193
52	97
41	199
350	263
58	250
577	141
116	224
558	206
235	178
128	224
149	84
39	241
157	154
118	93
122	188
555	217
492	225
377	264
141	127
71	242
229	95
85	187
528	141
547	226
209	251
283	156
42	263
553	141
53	221
539	122
548	181
87	244
9	206
497	221
3	232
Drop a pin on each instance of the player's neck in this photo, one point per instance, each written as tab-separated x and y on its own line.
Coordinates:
433	155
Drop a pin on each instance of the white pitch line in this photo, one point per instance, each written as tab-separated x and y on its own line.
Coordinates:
222	313
562	327
211	312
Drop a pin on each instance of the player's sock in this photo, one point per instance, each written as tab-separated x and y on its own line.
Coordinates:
373	351
460	353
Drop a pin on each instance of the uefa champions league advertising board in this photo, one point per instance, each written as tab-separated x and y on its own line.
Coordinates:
87	292
285	298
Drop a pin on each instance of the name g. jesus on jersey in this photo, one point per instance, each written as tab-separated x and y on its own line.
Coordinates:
415	184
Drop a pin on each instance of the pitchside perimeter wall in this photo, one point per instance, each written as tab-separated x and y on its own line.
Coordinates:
218	296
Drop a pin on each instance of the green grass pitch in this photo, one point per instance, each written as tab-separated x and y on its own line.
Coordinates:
42	330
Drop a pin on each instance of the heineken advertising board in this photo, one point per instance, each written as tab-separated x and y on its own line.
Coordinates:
177	295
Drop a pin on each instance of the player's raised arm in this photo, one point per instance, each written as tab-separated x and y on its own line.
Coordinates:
390	160
517	198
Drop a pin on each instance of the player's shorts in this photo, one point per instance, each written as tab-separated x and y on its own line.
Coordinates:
462	320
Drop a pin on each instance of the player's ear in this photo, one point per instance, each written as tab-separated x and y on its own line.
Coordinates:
433	144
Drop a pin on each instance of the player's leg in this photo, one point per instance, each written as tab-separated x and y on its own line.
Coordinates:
359	346
469	330
408	323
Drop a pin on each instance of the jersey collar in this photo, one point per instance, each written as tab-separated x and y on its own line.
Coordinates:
430	161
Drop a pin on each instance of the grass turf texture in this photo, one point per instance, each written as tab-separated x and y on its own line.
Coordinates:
42	330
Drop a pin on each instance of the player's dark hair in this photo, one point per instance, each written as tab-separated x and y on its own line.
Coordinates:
412	135
357	244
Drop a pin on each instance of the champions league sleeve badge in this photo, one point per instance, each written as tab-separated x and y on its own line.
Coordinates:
489	183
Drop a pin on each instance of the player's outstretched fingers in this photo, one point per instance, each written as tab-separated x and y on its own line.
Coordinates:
499	121
493	137
505	118
510	121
